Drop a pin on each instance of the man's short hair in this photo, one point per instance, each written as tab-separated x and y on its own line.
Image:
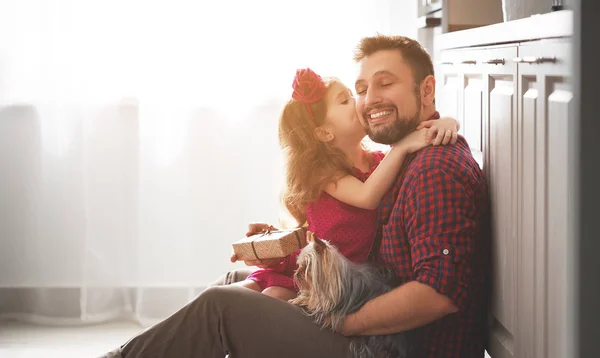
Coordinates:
413	53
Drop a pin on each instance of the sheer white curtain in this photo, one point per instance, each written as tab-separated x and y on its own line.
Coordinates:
138	138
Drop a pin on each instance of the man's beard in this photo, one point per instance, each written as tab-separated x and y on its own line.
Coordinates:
399	128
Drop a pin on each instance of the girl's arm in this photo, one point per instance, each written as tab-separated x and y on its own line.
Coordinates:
367	195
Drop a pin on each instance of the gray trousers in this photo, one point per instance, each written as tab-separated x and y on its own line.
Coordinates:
235	321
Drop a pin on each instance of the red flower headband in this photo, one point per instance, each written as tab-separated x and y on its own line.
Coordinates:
308	88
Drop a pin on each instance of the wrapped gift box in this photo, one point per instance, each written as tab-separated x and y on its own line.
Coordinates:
270	244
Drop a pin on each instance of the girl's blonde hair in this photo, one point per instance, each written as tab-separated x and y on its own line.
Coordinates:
311	164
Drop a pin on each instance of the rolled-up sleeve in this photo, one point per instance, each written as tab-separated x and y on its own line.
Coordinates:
441	226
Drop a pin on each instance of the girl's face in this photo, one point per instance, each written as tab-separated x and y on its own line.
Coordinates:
341	118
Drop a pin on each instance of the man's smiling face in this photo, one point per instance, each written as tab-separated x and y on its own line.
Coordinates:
388	99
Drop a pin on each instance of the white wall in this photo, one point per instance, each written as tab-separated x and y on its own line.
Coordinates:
403	15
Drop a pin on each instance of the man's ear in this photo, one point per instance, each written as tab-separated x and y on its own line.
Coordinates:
323	134
428	91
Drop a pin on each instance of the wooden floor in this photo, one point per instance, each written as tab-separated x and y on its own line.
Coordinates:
21	340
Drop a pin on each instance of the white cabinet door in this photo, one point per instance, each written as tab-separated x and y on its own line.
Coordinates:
448	85
460	94
471	69
545	98
500	153
532	185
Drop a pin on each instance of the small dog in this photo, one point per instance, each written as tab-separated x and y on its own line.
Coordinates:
331	286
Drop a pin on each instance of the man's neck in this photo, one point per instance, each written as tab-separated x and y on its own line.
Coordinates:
427	113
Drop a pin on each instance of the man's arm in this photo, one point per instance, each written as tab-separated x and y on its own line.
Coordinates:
441	226
421	304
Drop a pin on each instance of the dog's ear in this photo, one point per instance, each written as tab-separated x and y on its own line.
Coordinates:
310	237
320	245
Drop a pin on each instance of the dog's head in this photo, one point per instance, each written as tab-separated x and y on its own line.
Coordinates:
319	275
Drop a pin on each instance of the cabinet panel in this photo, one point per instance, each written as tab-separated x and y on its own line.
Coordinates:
500	151
545	99
449	85
460	94
559	103
529	158
472	100
449	95
501	174
473	110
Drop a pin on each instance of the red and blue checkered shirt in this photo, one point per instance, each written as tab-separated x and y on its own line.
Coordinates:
434	228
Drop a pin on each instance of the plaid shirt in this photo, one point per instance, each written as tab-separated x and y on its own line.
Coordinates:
434	229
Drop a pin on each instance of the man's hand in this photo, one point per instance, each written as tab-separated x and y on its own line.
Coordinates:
257	228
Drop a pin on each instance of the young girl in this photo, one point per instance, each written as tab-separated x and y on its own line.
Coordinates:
333	183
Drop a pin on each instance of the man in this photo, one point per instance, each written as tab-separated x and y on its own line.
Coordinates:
434	226
434	221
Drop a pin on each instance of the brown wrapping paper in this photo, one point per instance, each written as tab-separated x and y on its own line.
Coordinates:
270	244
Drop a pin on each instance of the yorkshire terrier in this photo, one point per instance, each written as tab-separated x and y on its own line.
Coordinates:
331	287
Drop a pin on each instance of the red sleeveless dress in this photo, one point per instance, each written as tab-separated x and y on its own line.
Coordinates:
352	230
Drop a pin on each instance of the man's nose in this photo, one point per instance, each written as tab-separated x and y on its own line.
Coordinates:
372	97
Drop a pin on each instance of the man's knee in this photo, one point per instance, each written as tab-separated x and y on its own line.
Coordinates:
213	294
217	297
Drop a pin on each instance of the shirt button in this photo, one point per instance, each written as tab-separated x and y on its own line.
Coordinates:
446	251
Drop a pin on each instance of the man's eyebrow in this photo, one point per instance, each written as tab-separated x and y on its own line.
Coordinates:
383	73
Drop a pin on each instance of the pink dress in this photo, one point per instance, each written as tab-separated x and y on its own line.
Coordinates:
351	229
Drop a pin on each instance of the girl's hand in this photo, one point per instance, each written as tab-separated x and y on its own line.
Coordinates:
413	142
441	131
257	228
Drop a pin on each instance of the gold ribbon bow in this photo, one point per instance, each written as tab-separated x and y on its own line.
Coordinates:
269	230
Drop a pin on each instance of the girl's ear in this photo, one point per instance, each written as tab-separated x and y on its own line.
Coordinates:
323	134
